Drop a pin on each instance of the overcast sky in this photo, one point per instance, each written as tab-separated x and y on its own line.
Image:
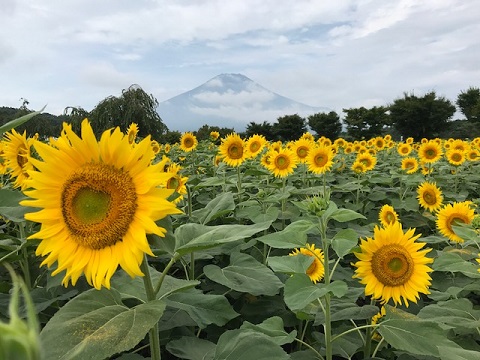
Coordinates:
330	53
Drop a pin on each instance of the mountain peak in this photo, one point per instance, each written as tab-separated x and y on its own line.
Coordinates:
228	100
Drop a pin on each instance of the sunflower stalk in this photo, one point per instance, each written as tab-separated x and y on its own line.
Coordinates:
153	334
25	264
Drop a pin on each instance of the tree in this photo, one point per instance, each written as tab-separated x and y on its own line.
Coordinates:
366	123
469	103
204	132
289	127
324	124
133	106
265	129
421	117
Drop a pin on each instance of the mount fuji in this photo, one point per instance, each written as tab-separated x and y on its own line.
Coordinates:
229	101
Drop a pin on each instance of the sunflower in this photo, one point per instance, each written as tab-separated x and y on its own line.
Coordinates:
214	135
98	201
429	196
387	215
392	266
451	214
255	145
320	159
473	155
379	143
3	165
367	160
358	167
132	132
455	157
316	270
404	149
282	162
307	136
430	152
177	182
410	165
156	147
17	157
167	148
188	142
302	147
232	150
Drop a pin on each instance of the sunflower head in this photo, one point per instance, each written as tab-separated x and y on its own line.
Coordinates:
232	150
387	215
132	132
316	270
430	152
281	163
302	147
98	201
429	196
320	159
255	145
214	135
404	149
392	265
188	142
456	157
452	214
410	165
17	157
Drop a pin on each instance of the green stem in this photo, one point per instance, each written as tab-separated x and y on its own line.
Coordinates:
172	261
328	322
377	347
153	334
310	347
356	328
284	201
192	266
26	265
239	180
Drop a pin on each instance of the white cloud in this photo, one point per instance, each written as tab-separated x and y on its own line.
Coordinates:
242	98
105	75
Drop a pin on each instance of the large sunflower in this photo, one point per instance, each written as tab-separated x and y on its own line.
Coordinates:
430	152
282	162
387	215
429	196
367	160
316	270
302	147
255	145
456	157
232	150
320	159
98	201
451	214
392	266
410	165
404	149
188	142
16	155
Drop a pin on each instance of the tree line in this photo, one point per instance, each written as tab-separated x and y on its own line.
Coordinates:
409	116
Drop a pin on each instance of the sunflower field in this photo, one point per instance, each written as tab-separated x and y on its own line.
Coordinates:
233	248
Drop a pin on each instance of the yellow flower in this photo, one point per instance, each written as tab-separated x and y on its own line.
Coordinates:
410	165
451	214
98	201
281	163
316	270
255	145
379	143
177	182
232	150
167	148
404	149
188	142
3	163
367	160
392	266
430	152
387	215
429	196
473	155
132	132
455	157
214	135
358	167
320	159
17	157
156	147
301	147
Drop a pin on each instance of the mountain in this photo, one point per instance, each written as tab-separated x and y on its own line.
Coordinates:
229	101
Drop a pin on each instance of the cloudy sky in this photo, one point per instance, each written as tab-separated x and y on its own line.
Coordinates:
336	54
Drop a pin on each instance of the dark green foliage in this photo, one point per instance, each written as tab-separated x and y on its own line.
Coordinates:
460	129
171	137
44	124
133	106
265	129
469	103
421	117
289	127
204	132
366	123
324	124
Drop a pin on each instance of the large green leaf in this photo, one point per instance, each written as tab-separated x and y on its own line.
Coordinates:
293	236
204	309
300	291
195	237
449	353
297	264
456	313
274	328
96	325
10	207
191	348
248	345
245	274
344	215
19	121
344	241
453	262
219	206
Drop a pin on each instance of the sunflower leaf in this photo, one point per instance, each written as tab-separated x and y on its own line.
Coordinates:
344	241
194	237
219	206
293	236
290	264
191	347
245	274
96	325
10	207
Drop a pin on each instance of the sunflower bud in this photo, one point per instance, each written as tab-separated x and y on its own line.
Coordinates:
318	204
19	338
